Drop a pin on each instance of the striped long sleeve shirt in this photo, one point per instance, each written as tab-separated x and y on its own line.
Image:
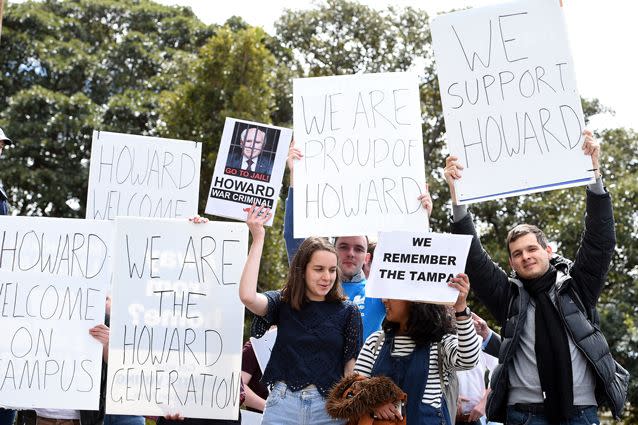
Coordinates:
460	352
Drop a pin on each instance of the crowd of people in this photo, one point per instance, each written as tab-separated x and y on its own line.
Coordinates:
549	365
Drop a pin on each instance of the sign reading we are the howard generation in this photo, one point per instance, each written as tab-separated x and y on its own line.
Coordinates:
176	318
362	168
512	112
54	274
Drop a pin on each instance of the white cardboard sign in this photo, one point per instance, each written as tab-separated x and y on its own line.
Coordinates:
263	347
250	418
176	321
362	169
139	176
417	266
54	273
249	168
512	111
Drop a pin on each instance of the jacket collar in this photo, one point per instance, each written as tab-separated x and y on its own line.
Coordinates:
359	277
562	265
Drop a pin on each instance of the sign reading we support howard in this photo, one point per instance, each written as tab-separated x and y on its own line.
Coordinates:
249	168
362	169
53	278
176	321
139	176
512	112
417	266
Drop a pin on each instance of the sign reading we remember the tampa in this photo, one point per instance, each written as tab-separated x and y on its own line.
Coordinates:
512	112
54	273
176	318
417	266
362	169
140	176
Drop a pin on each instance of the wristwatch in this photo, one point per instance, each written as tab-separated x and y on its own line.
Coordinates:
465	313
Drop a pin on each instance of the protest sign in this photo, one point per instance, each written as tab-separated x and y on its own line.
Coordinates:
362	169
417	266
176	319
249	168
53	278
250	418
512	112
142	176
263	347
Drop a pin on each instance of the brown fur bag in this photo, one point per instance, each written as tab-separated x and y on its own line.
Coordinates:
355	397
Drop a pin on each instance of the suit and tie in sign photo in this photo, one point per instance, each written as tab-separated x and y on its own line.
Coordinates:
252	152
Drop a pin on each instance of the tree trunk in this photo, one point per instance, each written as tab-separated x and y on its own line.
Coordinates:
1	15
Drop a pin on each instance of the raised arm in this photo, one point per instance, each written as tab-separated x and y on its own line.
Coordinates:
489	281
292	244
254	301
462	353
426	202
598	241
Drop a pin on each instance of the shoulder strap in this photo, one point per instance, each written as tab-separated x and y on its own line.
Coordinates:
378	343
439	359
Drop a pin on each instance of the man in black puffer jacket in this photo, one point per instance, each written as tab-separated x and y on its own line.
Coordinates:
554	362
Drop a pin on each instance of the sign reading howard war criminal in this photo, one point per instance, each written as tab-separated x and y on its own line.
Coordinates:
362	169
142	176
249	168
512	112
417	266
176	321
54	273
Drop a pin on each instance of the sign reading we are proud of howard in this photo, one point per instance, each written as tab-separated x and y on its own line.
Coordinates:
142	176
417	266
249	168
176	318
512	112
362	169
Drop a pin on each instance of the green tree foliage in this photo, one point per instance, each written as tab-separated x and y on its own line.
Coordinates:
345	37
69	67
231	77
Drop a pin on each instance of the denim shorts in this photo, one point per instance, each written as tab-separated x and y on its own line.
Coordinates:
303	407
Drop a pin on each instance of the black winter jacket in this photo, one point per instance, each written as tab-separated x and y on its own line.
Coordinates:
578	290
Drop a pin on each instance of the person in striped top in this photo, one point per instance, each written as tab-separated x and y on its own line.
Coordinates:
418	346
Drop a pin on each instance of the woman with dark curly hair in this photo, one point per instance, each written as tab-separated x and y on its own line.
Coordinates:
419	345
318	330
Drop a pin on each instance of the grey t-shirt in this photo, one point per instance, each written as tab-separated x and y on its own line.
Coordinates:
524	382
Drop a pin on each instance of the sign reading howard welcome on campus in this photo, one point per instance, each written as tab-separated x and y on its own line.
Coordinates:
417	266
138	176
54	273
249	168
176	319
512	112
362	169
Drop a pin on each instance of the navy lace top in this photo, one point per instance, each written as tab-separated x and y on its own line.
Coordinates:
313	344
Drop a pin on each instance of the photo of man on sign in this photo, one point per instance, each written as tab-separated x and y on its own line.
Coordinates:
252	152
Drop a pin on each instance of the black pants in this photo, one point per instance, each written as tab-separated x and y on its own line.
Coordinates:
197	421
